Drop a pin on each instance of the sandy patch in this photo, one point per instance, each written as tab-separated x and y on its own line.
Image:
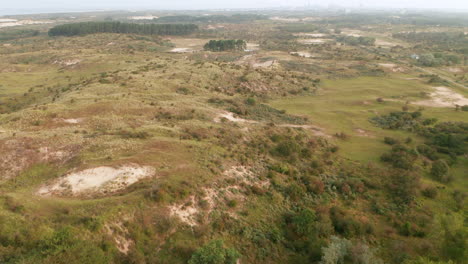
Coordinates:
186	212
384	43
6	20
230	116
73	120
97	180
19	154
363	133
317	131
239	177
181	50
316	41
304	54
266	64
455	70
252	47
22	23
150	17
444	97
67	62
120	233
311	35
211	27
391	66
285	19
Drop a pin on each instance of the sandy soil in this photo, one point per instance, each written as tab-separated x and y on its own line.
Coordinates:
265	64
311	35
97	180
304	54
73	120
384	43
120	233
19	154
444	97
240	177
22	22
391	66
314	41
67	62
230	116
252	47
317	131
181	50
143	17
363	133
285	19
455	70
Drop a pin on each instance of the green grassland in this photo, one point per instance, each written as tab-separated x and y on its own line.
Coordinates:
273	153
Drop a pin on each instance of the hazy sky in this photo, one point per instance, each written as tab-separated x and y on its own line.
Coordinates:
72	5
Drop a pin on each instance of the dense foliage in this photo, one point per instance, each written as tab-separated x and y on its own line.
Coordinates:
119	27
17	34
353	41
226	45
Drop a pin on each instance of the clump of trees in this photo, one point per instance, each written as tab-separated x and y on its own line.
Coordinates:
354	41
17	34
433	37
438	59
214	253
225	45
85	28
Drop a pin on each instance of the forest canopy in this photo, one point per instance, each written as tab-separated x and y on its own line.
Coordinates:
85	28
224	45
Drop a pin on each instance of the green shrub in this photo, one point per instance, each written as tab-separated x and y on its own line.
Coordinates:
440	171
214	253
430	192
391	141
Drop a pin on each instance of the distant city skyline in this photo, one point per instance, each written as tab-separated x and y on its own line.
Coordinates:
31	6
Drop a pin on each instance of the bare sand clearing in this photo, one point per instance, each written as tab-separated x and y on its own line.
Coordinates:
265	64
252	47
190	211
181	50
393	67
14	23
150	17
97	180
73	120
285	19
444	97
120	233
311	35
317	131
314	41
384	43
230	116
70	62
304	54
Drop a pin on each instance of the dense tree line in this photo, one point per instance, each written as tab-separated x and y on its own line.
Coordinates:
119	27
433	37
17	34
354	41
223	45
